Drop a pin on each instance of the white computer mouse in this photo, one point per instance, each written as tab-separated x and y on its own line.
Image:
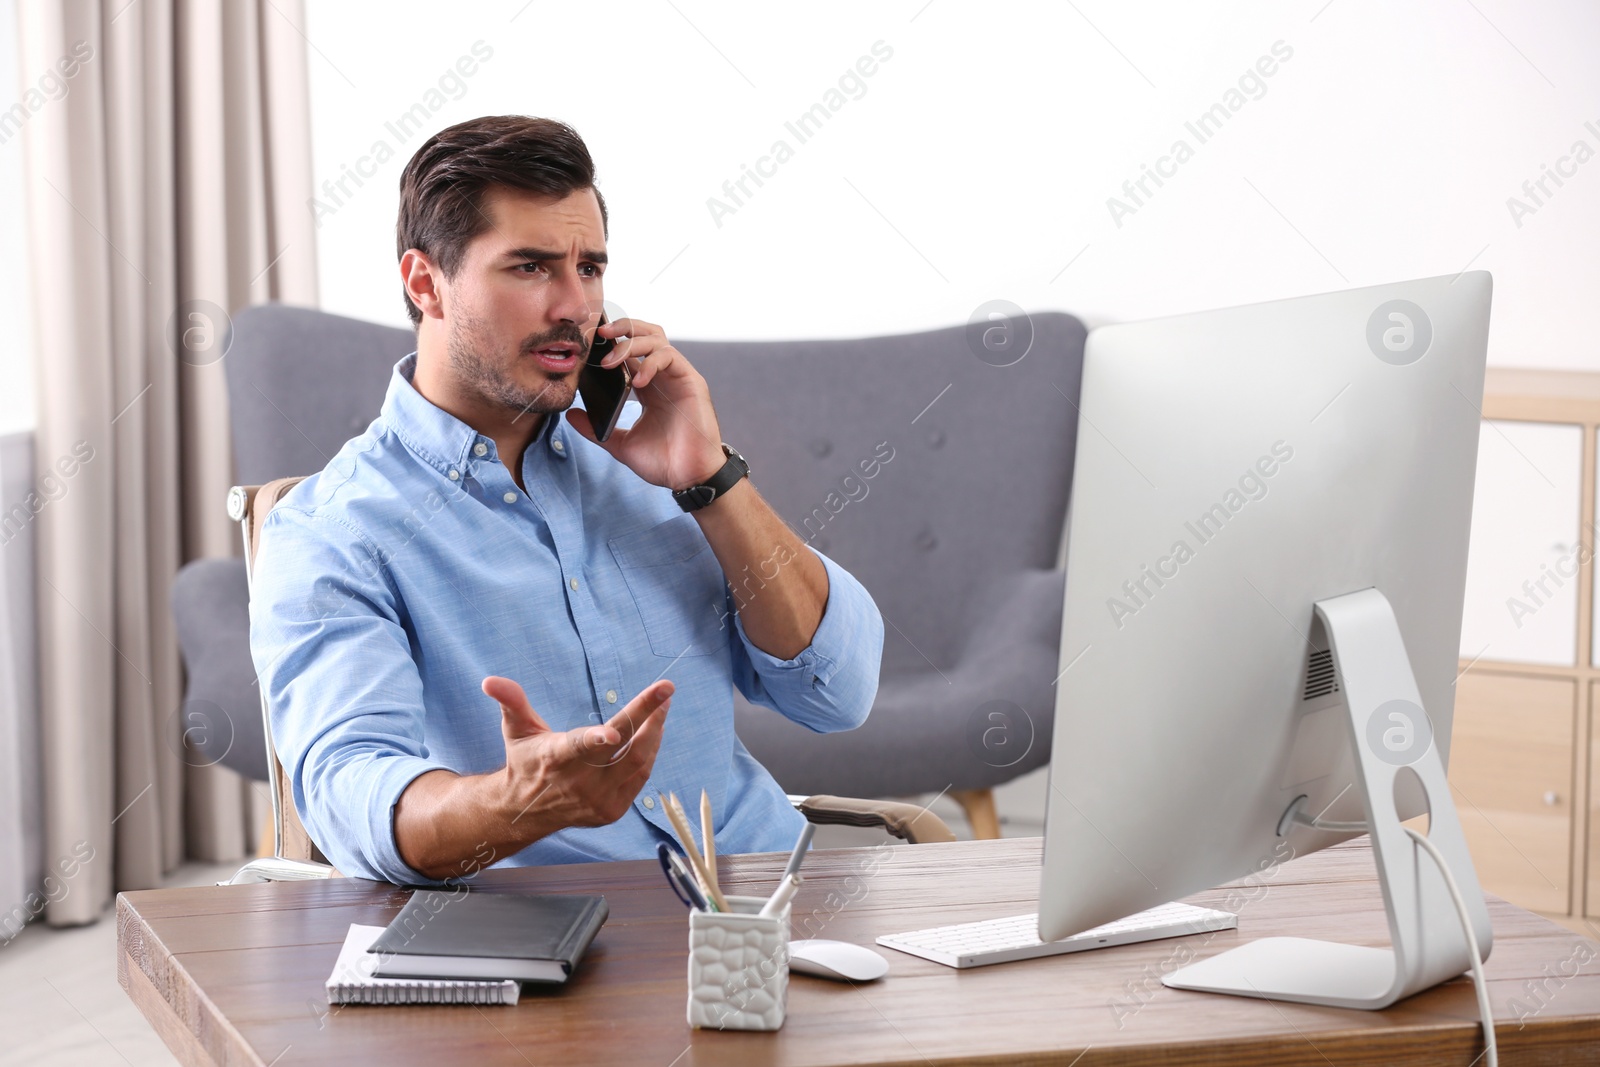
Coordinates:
839	960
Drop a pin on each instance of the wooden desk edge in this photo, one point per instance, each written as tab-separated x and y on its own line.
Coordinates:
145	989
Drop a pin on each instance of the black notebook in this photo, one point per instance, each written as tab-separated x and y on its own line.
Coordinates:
489	936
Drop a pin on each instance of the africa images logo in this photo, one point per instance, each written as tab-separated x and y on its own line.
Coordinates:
1399	732
1399	332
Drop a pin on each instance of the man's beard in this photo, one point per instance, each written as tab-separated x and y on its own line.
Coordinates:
492	379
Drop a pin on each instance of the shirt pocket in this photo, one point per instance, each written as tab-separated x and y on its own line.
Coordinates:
678	587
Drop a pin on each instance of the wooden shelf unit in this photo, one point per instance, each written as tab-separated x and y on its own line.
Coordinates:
1521	761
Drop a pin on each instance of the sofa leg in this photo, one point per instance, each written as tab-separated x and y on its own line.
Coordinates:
978	804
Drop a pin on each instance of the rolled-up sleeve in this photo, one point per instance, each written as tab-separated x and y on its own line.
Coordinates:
344	695
831	683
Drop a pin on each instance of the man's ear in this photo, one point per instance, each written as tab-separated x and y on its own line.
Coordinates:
424	282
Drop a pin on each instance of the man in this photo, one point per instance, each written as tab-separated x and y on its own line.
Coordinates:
473	539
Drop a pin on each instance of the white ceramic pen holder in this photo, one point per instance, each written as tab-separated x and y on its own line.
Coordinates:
738	967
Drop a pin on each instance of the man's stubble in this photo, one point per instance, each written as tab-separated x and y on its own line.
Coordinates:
480	371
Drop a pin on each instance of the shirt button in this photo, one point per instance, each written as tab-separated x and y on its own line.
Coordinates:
650	802
480	449
455	476
573	582
510	498
557	445
611	696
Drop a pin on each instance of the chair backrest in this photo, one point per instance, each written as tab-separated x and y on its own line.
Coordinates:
249	506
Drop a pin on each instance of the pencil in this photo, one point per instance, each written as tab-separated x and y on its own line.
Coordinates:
669	804
680	823
708	835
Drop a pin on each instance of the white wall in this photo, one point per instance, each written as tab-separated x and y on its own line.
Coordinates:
979	161
16	344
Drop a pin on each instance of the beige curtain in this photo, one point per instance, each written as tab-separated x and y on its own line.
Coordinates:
169	181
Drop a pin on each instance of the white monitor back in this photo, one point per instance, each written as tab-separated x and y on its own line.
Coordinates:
1233	467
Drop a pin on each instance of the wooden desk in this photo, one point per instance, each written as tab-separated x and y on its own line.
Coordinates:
234	975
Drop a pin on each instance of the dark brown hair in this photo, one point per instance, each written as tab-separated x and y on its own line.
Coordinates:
442	187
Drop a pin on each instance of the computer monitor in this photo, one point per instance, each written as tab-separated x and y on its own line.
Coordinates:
1266	559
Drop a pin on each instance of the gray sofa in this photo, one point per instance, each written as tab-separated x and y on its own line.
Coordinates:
956	533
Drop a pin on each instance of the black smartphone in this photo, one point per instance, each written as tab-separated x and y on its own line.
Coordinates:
604	389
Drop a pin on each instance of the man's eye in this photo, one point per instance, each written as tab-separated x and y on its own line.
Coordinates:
594	271
534	266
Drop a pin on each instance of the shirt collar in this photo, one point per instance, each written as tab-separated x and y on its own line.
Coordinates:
437	437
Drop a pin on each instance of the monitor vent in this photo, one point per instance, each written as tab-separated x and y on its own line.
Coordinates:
1321	678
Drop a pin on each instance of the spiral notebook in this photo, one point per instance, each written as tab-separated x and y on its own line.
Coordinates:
352	980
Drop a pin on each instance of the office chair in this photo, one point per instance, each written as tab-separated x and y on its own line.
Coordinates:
294	855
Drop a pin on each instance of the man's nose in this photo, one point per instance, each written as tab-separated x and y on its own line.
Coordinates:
570	303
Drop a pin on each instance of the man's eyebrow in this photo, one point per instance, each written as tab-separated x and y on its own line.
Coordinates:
541	255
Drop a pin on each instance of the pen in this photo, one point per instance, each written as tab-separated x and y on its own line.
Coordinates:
798	856
679	878
682	871
781	896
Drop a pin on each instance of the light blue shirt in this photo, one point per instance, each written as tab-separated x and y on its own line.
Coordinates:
388	586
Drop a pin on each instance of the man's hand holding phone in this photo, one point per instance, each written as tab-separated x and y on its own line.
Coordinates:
676	442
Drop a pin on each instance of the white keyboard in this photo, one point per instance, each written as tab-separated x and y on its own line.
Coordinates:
1016	937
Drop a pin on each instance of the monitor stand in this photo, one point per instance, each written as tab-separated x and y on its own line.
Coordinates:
1428	943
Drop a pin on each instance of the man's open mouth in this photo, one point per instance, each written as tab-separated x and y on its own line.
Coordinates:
559	356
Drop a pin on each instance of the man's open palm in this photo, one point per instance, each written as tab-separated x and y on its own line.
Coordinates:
582	777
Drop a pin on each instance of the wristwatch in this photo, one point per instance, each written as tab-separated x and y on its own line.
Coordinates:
695	497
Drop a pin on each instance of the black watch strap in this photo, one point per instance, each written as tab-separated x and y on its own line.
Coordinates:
695	497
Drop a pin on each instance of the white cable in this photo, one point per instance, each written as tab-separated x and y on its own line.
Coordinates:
1491	1054
1485	1012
